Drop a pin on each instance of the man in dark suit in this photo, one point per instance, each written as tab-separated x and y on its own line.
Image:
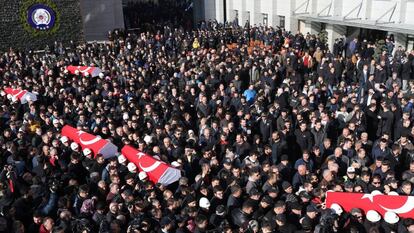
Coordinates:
265	126
304	137
405	71
363	79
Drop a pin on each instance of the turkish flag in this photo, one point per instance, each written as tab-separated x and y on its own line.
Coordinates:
157	171
401	205
87	140
23	95
84	70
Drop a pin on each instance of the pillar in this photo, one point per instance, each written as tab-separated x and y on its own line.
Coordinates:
230	11
256	16
198	9
403	10
368	9
243	16
313	7
210	10
337	8
273	17
219	8
291	22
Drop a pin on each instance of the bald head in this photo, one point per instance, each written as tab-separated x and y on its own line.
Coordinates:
302	170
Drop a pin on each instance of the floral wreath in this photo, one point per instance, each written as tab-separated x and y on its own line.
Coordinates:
24	18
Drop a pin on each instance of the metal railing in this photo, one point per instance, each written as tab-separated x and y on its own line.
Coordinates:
358	7
392	10
295	12
329	7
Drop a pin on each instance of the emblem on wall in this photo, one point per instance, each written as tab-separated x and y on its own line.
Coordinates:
41	17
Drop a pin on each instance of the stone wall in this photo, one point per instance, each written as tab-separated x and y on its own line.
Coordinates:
12	33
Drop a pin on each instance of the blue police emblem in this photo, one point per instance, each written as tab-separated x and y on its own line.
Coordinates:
41	17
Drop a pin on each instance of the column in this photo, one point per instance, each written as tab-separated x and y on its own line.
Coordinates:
209	10
368	9
403	10
313	7
219	11
337	7
291	22
198	7
230	11
256	14
273	17
243	16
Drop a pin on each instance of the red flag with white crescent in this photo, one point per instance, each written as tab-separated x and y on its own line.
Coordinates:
84	70
157	171
401	205
87	140
23	95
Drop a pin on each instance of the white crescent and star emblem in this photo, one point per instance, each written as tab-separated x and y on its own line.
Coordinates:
89	142
407	207
371	196
18	93
150	168
85	71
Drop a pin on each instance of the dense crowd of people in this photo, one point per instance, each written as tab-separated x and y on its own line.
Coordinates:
260	134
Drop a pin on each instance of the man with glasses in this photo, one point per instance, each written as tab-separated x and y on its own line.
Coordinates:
375	184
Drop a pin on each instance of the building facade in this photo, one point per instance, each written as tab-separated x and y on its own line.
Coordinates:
101	16
371	19
74	20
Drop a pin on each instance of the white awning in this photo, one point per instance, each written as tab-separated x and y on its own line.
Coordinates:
369	24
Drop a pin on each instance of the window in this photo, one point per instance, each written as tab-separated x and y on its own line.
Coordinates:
265	19
281	21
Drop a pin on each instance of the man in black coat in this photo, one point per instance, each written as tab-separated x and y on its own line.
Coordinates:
279	146
372	121
270	217
405	71
386	118
265	126
283	225
304	137
218	217
363	78
241	216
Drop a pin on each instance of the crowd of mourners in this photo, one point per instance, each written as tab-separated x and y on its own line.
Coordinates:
260	134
